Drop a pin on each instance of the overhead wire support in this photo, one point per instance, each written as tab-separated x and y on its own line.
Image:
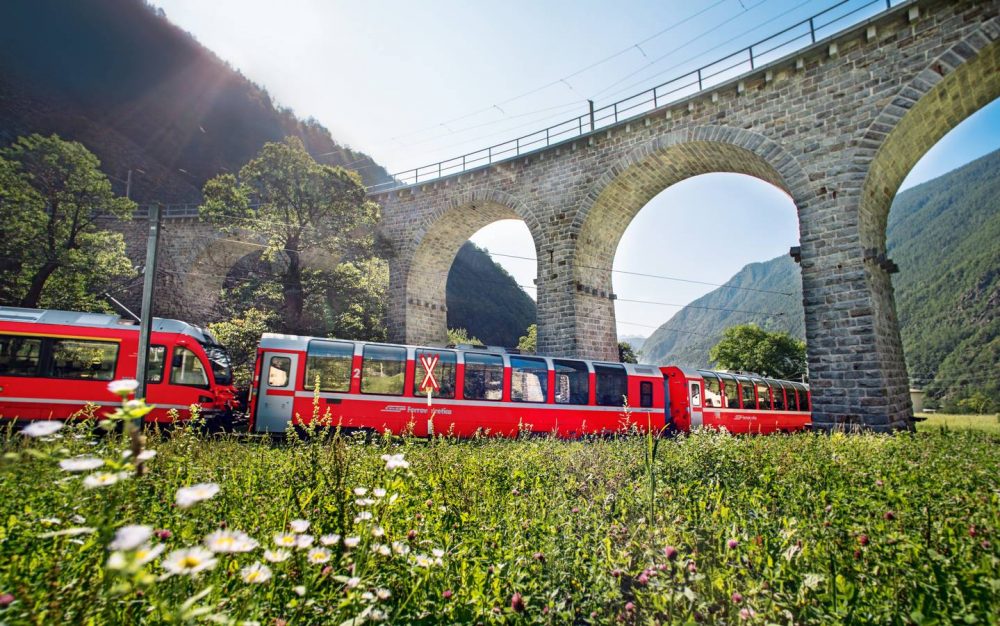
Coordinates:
630	107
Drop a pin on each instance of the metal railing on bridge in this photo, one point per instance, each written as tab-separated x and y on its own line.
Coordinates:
800	35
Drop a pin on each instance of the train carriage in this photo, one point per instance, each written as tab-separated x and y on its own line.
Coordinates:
740	403
377	387
53	363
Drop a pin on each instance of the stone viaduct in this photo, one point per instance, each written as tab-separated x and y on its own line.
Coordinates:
836	125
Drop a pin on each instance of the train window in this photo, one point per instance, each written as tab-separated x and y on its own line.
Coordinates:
155	363
746	391
529	379
279	371
645	394
383	370
763	396
187	369
793	402
84	360
713	390
572	382
778	396
730	392
803	400
328	363
483	377
444	373
696	394
612	385
19	356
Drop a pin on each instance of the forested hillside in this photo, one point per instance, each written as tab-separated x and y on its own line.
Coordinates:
944	236
143	95
485	300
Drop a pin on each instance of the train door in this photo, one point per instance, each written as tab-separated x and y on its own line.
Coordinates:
697	417
277	391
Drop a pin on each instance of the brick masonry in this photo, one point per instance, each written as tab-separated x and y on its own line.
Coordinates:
837	126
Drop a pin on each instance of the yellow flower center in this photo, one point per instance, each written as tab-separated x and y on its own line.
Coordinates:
190	561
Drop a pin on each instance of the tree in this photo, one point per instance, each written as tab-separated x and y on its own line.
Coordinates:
749	348
241	336
52	193
458	336
626	354
529	341
978	403
296	206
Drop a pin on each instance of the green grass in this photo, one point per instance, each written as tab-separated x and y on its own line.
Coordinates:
946	421
785	529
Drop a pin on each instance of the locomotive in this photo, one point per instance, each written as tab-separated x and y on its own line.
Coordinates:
55	363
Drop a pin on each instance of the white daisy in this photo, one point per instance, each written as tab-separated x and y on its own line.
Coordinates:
187	496
318	555
384	550
130	537
285	540
42	429
123	387
190	561
81	464
437	552
395	461
299	525
364	502
101	479
256	573
329	540
147	553
353	582
360	491
422	560
303	541
146	455
378	615
277	556
400	548
368	596
378	492
383	594
230	541
363	516
352	542
299	590
378	531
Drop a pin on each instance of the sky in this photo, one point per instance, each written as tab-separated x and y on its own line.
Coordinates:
411	83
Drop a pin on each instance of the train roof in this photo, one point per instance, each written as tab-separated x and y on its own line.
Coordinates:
692	373
101	320
301	343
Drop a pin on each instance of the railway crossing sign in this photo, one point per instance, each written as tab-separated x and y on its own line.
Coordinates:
429	363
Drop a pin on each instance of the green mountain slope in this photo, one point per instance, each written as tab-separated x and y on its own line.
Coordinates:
485	300
945	237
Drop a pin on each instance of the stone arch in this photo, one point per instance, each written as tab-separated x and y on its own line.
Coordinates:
436	240
952	87
628	185
949	89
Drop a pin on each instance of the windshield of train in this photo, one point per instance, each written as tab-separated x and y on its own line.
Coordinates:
221	365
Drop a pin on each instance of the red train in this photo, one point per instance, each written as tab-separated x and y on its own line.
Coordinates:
378	387
53	363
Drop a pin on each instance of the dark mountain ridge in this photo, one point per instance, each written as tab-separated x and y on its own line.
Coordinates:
142	94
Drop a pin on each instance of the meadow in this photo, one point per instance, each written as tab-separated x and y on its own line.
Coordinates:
707	528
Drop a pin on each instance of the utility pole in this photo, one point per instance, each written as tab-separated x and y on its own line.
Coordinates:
591	103
146	321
